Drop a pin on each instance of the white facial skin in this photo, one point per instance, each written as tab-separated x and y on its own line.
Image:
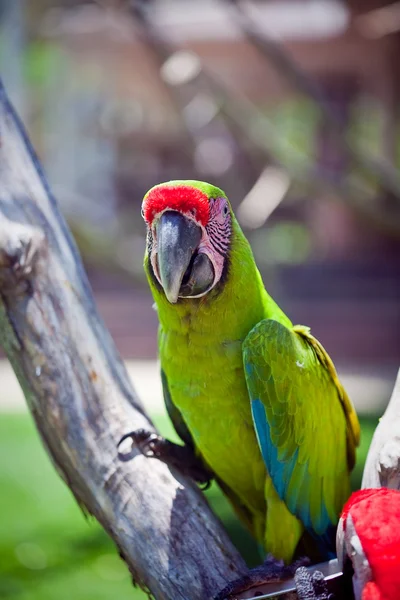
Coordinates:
348	543
214	243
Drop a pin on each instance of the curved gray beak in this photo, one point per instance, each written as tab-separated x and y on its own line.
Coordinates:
178	237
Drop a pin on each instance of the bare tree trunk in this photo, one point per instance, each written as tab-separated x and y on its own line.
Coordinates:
81	398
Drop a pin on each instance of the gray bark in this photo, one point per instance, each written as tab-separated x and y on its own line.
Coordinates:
382	467
80	396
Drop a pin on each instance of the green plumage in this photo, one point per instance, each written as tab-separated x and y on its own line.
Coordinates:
259	399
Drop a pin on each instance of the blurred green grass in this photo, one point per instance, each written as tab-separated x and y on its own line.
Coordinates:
47	548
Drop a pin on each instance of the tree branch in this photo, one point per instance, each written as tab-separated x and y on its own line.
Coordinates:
382	467
80	395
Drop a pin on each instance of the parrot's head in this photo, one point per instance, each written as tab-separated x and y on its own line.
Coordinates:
368	537
189	226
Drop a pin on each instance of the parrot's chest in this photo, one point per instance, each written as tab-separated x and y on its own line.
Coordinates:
207	385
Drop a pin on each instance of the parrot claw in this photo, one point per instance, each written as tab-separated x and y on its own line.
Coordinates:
311	586
183	458
145	441
271	571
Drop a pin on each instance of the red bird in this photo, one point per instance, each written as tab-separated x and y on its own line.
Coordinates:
369	535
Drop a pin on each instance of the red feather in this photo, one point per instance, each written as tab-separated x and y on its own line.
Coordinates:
355	499
371	592
183	198
376	517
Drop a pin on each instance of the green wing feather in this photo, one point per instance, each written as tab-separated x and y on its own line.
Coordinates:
306	426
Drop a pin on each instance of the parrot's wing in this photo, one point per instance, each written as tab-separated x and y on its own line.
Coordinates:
174	414
306	426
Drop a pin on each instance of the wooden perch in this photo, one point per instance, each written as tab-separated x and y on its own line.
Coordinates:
81	398
382	467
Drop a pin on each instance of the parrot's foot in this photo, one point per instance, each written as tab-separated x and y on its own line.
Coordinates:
311	586
21	248
271	571
181	457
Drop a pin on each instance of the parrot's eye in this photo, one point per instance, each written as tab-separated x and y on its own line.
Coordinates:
142	212
225	210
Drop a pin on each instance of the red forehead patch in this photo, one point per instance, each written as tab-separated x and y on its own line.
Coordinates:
183	198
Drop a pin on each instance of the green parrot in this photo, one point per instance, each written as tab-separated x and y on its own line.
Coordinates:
257	398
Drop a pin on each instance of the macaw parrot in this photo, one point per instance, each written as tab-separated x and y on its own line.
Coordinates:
368	549
368	537
257	398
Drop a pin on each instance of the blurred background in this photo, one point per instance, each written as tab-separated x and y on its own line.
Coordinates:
292	107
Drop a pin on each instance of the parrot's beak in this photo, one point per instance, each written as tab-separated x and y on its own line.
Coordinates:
178	238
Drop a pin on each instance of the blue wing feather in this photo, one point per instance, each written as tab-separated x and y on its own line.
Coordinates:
283	375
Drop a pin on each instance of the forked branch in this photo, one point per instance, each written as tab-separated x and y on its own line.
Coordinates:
81	398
